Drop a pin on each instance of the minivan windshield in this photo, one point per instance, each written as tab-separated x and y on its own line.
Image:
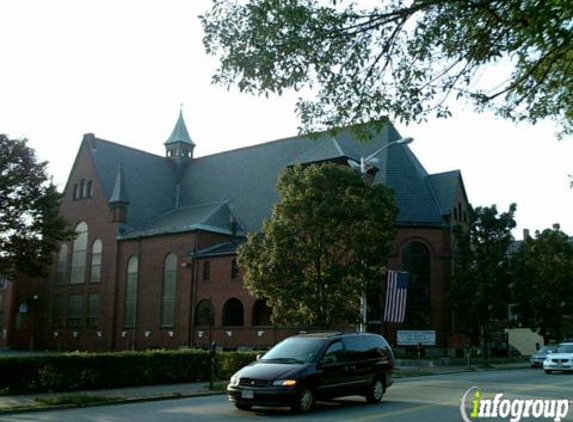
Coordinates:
295	350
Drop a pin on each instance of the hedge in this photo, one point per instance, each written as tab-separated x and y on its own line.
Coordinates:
87	371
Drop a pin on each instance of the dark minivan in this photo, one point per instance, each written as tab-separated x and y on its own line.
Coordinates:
304	368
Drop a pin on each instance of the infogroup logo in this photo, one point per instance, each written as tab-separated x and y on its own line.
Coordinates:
514	409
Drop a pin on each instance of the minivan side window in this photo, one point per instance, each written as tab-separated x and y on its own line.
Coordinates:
365	347
334	353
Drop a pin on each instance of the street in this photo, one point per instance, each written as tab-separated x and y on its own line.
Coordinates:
431	398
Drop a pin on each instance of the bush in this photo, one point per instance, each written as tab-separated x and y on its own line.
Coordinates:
84	371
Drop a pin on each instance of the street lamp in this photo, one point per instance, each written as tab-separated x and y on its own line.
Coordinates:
366	163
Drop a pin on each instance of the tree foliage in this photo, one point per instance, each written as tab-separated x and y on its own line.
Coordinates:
326	241
30	224
399	58
543	284
480	284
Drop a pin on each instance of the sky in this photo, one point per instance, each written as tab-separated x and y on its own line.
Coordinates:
122	69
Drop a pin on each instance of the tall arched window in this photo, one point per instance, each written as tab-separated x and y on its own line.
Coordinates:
204	313
169	291
97	251
234	270
83	189
79	254
233	313
131	292
416	260
206	271
262	313
62	271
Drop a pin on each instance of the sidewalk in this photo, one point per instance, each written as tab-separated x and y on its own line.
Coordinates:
72	399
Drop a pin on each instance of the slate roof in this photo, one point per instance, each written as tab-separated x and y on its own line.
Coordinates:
445	185
241	183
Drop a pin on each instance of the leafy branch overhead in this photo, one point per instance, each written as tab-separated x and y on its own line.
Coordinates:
404	59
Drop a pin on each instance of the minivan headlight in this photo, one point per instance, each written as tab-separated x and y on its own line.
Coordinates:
284	383
234	380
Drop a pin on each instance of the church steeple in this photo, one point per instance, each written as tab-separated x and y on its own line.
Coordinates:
179	145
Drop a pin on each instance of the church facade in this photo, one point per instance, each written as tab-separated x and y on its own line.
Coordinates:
153	263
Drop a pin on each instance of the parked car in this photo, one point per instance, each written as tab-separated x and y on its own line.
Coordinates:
536	359
561	359
309	367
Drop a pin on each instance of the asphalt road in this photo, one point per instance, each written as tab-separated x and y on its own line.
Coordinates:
432	398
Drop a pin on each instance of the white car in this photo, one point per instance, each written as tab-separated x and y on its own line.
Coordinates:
560	360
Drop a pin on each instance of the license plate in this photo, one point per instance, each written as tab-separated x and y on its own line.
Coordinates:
248	394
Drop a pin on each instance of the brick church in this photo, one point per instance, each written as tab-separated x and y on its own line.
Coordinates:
153	261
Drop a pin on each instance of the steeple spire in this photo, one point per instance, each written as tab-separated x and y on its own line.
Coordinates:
118	200
179	144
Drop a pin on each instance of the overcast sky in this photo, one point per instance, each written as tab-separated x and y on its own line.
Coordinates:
121	69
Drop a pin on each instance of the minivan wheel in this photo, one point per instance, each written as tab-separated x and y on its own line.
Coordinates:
304	401
375	391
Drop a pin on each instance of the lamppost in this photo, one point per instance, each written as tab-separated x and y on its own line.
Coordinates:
366	163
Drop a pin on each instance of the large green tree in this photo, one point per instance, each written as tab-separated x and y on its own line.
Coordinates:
404	59
30	223
542	288
480	284
326	242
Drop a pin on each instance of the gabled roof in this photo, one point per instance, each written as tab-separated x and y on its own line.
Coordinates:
215	217
445	185
240	184
246	177
149	180
327	150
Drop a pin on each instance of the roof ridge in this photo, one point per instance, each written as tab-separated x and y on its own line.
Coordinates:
128	147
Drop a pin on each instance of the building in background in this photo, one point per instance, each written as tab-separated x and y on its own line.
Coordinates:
153	263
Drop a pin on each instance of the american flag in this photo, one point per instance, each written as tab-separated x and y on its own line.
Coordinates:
396	293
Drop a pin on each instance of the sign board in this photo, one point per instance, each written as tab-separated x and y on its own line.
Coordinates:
415	337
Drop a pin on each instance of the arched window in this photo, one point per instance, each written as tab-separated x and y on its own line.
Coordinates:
169	291
90	189
131	292
416	260
233	313
262	313
62	271
206	271
234	270
83	189
97	251
79	254
204	313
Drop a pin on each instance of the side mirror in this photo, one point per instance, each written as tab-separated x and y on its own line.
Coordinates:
259	356
327	360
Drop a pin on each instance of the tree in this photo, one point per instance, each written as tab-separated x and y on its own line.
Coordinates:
401	59
480	283
542	288
326	242
30	224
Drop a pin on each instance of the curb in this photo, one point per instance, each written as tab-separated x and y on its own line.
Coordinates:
110	401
